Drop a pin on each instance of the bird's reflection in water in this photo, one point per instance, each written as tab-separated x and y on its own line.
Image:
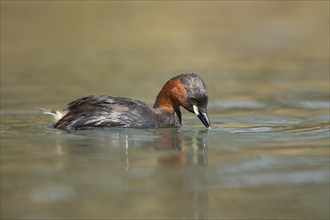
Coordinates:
192	148
191	156
181	156
184	148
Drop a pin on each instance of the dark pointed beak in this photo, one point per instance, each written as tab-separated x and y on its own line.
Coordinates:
202	115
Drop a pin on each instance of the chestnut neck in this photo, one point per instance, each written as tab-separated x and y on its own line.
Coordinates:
172	96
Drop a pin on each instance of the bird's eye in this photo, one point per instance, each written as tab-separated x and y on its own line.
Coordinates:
193	100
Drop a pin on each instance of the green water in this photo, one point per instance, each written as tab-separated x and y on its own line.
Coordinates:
266	67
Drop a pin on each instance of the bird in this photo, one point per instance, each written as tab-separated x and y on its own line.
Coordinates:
185	90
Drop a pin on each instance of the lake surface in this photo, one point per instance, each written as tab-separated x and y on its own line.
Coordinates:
266	155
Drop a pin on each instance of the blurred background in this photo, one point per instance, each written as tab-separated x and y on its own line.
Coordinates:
243	49
266	67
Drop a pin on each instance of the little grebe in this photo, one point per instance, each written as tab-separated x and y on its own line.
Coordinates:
186	90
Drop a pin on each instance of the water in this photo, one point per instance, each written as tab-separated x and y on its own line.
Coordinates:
266	155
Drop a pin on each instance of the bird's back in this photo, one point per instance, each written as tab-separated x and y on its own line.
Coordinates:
108	111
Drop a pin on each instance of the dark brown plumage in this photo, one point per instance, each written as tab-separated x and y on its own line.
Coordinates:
186	90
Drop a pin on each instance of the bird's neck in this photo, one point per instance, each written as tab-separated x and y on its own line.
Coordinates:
171	96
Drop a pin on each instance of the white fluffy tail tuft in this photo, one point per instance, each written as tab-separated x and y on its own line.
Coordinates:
57	114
